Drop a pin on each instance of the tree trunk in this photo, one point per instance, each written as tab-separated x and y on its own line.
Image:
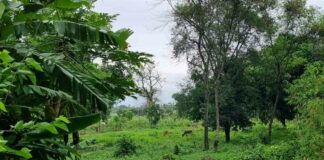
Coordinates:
206	138
273	115
216	142
227	129
76	138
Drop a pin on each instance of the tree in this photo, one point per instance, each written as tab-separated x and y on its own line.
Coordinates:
307	93
237	98
188	39
219	31
149	81
57	76
275	63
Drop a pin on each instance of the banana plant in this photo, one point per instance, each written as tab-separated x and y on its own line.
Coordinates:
51	71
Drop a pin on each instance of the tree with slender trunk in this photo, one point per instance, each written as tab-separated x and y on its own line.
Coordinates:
188	39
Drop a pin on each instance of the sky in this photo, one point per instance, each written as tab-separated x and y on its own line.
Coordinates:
151	22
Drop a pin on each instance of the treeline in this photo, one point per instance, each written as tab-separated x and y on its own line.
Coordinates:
251	59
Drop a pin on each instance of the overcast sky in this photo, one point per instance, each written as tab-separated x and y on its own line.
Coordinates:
150	22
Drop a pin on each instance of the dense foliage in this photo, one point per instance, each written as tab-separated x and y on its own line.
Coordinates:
48	73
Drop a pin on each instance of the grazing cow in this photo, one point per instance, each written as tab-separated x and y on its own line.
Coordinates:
186	132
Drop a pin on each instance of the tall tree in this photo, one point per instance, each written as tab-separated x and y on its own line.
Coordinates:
188	39
283	43
149	81
235	27
218	30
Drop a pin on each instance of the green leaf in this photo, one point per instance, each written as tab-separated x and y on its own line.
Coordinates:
61	125
2	145
29	74
35	65
2	107
24	152
121	36
2	9
63	119
5	58
2	148
81	122
19	125
46	126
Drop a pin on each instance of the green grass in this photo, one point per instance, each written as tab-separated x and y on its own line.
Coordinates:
152	145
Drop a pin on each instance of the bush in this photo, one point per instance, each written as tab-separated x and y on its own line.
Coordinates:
255	153
176	150
283	151
153	114
125	147
264	138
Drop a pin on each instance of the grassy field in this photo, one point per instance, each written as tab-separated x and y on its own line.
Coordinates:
153	145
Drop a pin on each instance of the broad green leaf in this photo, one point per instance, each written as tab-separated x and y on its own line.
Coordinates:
25	72
46	126
29	74
121	36
63	119
5	57
2	107
2	9
35	65
61	125
24	152
2	145
81	122
32	78
29	124
77	123
19	125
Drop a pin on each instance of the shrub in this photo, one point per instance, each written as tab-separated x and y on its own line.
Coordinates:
256	153
125	147
176	150
153	114
264	138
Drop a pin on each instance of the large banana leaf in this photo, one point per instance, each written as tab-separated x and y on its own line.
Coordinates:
69	29
82	87
76	124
